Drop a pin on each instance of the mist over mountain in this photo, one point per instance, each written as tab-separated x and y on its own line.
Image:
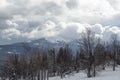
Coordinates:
42	43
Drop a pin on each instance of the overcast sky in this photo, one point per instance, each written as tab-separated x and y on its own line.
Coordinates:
23	20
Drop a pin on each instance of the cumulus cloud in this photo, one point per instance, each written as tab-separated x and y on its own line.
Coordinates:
57	19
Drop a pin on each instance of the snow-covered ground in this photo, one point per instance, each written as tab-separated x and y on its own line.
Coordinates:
107	74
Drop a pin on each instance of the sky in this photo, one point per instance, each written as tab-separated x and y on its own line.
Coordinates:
24	20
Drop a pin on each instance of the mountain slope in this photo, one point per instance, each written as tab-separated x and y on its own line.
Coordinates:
39	43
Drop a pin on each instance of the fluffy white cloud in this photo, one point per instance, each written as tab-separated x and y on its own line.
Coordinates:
98	28
57	19
10	33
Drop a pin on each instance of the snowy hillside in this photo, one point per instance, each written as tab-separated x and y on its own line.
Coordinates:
107	74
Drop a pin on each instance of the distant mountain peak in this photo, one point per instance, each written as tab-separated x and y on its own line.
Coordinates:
38	43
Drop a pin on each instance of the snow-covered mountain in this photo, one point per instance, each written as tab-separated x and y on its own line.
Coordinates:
39	43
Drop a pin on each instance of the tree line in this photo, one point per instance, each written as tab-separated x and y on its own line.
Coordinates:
40	64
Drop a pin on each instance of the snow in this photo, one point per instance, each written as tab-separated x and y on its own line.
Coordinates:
107	74
36	44
9	52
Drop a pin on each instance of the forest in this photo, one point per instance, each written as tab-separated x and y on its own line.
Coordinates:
93	56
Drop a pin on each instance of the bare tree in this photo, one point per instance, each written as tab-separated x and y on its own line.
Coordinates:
114	46
80	60
87	42
64	61
12	67
100	56
52	62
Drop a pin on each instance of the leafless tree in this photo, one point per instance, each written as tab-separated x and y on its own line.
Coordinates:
114	48
87	42
52	62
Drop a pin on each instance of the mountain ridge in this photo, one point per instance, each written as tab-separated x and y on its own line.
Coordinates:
38	43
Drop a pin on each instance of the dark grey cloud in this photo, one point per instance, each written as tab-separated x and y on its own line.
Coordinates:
71	4
113	21
49	7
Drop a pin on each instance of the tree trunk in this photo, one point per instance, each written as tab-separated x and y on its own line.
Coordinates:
114	62
47	73
94	73
89	72
38	76
42	74
114	66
